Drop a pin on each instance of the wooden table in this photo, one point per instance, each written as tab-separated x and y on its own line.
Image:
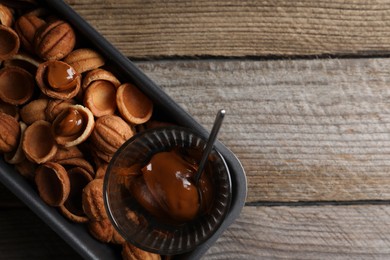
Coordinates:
306	86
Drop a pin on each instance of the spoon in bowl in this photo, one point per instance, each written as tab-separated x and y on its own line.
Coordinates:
209	145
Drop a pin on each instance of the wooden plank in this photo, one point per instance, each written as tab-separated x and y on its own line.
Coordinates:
328	232
240	28
305	130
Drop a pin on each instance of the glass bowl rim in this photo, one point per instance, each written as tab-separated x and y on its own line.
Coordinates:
140	135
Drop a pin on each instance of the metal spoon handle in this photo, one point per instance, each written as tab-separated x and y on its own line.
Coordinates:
210	143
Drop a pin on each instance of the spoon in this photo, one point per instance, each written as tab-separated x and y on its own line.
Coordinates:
209	145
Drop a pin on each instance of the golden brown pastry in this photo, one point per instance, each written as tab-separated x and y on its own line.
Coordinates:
130	252
133	105
85	59
92	199
53	183
72	207
110	133
38	142
54	40
59	80
16	85
26	26
9	133
9	42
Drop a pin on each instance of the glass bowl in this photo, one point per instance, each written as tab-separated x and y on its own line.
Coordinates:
124	184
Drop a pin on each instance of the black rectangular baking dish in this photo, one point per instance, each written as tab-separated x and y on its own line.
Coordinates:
76	235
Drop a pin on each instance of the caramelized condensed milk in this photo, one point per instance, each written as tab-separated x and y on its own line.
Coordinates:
60	75
69	123
58	79
73	125
165	188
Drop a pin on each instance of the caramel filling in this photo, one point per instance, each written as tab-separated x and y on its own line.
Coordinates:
60	76
68	123
168	177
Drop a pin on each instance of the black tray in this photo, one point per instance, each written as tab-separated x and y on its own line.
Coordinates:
76	235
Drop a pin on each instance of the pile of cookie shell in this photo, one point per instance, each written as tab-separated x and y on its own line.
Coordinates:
63	115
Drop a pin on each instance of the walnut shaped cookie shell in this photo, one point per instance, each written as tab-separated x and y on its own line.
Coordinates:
110	133
53	183
102	230
67	153
58	79
26	26
9	133
38	142
9	109
34	111
9	42
56	106
130	252
134	106
6	15
24	61
105	232
17	155
54	40
73	125
99	97
99	74
77	162
93	202
99	92
16	85
84	59
72	206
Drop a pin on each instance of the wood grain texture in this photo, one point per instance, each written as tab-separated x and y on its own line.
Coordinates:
329	232
305	130
240	28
